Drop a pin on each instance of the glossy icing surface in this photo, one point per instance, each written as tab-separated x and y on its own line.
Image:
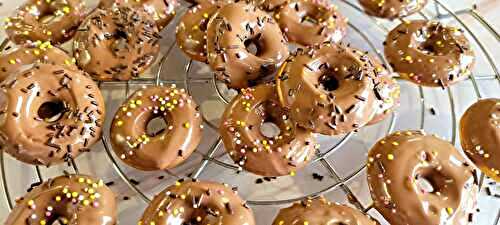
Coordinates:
392	9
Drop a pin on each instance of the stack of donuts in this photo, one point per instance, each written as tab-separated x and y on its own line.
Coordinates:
52	110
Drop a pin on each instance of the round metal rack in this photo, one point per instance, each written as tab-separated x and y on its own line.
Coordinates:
340	182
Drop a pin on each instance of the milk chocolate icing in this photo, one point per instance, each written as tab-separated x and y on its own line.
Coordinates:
429	53
191	32
36	20
49	114
419	179
282	154
198	202
69	199
480	135
14	58
161	11
320	211
116	43
310	22
329	89
392	9
231	30
166	148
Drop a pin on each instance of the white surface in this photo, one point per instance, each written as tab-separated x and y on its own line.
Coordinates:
345	160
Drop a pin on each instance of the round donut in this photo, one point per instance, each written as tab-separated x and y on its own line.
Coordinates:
49	114
15	58
480	135
310	22
198	202
164	149
429	53
330	89
116	43
283	151
392	9
191	32
162	11
55	21
232	33
416	178
69	199
321	211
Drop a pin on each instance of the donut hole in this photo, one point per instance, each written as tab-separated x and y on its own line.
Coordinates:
52	111
309	20
431	42
253	46
269	129
425	184
328	82
155	126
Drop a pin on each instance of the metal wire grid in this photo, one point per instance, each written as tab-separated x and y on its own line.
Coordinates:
320	156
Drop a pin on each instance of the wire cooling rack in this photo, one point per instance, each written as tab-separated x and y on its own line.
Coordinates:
137	188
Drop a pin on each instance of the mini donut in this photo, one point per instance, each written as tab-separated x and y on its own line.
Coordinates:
166	148
429	53
310	22
198	202
162	11
191	32
321	211
49	114
55	21
69	199
387	92
419	179
480	135
116	43
15	58
241	130
392	9
231	32
330	89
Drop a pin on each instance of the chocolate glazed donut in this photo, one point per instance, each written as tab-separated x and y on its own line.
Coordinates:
116	43
310	22
69	199
191	32
321	211
270	154
330	89
162	11
15	58
392	9
37	20
198	202
480	135
166	148
232	32
429	53
49	114
419	179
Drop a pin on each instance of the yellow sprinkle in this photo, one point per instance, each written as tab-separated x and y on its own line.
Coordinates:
152	223
186	125
86	202
449	210
306	223
205	15
138	102
183	197
119	123
65	190
281	222
66	9
161	213
58	198
81	180
132	106
390	156
43	222
74	194
408	58
395	143
198	218
91	191
12	61
31	202
292	173
177	183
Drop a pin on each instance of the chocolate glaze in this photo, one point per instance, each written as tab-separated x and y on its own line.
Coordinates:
166	149
49	114
15	58
54	21
71	199
230	30
241	133
429	53
116	43
197	202
310	22
399	164
162	11
320	211
388	93
191	32
329	89
392	9
480	135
